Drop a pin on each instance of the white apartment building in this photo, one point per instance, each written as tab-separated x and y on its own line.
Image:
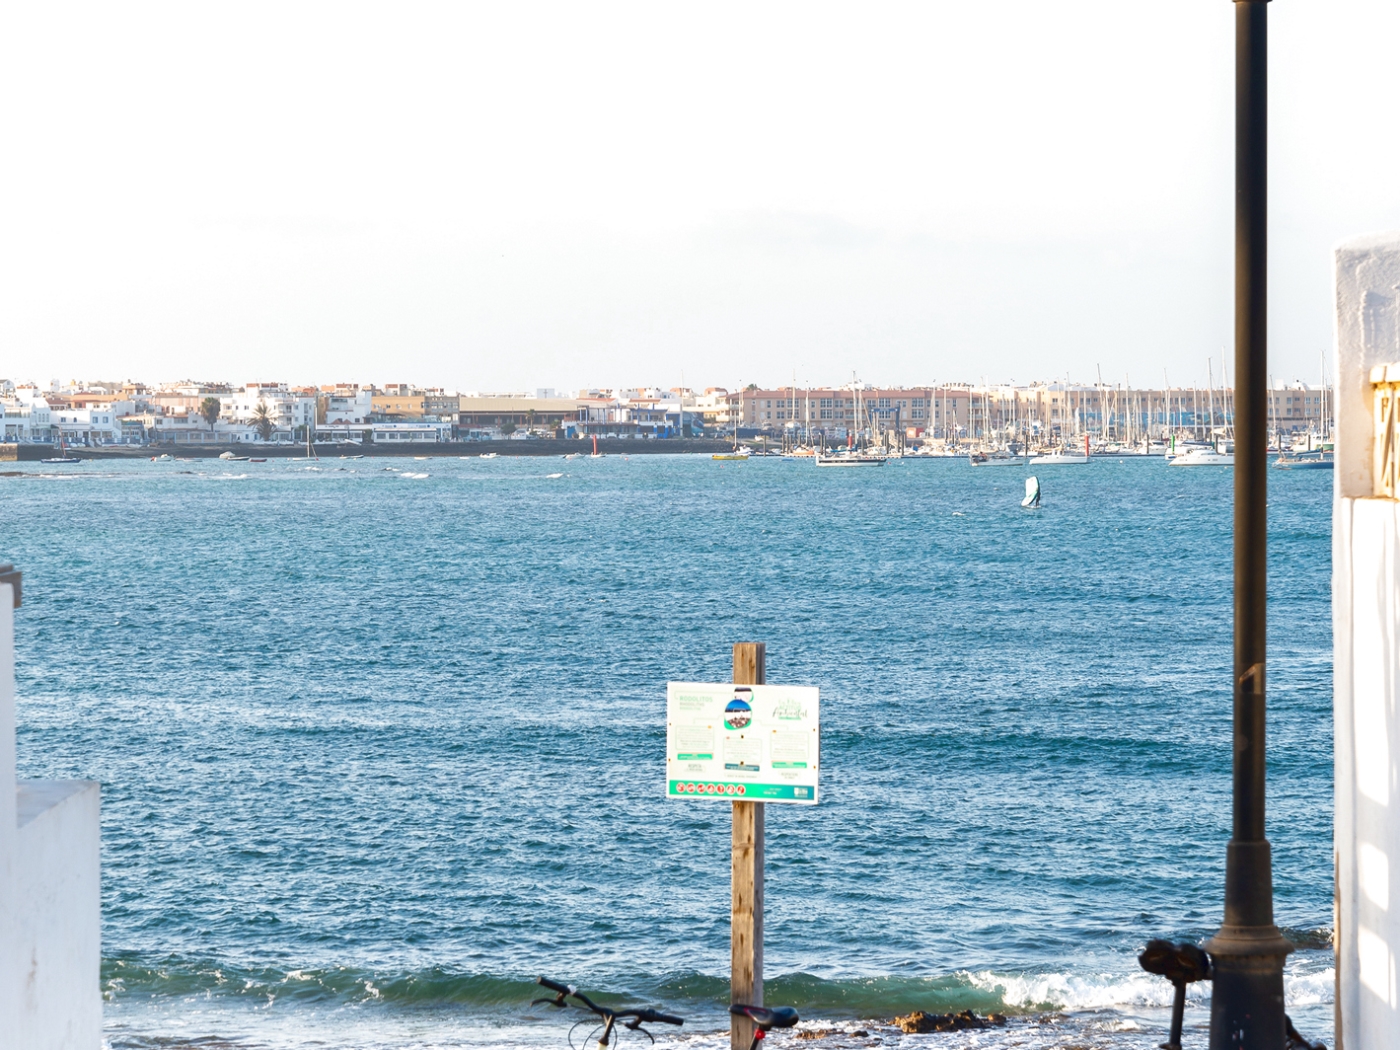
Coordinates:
26	415
345	406
287	409
17	422
88	426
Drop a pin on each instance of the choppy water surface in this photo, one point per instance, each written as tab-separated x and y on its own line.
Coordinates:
376	750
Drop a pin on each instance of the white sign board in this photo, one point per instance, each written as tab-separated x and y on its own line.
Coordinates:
757	743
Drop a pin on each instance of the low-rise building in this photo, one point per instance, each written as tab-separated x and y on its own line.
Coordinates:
830	412
425	430
485	417
193	429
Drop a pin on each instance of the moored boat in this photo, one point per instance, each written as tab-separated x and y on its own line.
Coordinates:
996	459
1203	457
1317	459
1060	456
848	459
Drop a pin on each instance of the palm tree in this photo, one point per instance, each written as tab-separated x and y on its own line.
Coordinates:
262	421
209	409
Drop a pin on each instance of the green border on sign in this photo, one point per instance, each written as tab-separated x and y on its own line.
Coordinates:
752	792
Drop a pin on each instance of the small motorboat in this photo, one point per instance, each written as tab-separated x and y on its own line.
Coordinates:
1317	459
229	457
996	459
1202	457
1064	455
849	459
257	461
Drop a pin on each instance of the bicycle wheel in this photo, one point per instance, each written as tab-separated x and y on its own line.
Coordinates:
595	1031
594	1028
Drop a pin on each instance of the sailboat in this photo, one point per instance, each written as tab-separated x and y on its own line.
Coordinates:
738	453
62	456
996	458
1064	455
853	455
850	458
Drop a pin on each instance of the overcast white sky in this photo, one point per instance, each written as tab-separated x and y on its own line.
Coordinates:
514	195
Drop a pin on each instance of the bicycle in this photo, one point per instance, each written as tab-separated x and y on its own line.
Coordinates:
765	1018
631	1019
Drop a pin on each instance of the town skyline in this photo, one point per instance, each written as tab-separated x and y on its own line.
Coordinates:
95	414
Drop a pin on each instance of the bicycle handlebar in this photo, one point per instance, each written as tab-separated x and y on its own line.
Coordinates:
652	1015
644	1016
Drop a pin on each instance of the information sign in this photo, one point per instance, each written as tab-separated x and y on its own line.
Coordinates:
757	743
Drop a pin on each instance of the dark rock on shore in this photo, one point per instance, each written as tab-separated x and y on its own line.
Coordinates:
919	1021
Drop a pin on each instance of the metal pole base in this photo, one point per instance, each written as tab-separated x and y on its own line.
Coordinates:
1246	1004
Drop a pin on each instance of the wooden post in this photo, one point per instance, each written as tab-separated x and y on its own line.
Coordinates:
746	880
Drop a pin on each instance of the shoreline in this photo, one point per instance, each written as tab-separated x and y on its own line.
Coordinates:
556	447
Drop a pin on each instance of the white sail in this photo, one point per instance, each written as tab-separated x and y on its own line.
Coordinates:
1032	492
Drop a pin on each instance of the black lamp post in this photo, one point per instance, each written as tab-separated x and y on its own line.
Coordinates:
1248	952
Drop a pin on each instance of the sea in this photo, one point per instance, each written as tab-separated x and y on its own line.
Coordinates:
382	740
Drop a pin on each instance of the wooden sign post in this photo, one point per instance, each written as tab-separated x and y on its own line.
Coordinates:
747	743
746	880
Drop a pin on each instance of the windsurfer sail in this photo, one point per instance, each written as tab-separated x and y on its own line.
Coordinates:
1032	493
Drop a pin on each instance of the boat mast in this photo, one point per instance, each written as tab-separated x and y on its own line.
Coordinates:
1273	413
1210	393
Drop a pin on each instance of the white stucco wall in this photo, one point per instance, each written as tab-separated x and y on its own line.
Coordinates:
1366	640
50	894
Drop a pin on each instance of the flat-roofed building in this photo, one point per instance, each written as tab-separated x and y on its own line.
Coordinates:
831	412
492	417
392	408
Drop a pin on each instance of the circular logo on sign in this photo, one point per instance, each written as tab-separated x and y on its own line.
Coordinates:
737	714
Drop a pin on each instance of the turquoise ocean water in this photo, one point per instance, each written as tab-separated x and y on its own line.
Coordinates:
376	750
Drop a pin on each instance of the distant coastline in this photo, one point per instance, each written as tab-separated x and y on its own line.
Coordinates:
32	453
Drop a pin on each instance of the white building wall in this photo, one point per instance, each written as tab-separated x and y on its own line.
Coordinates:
50	894
1366	640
